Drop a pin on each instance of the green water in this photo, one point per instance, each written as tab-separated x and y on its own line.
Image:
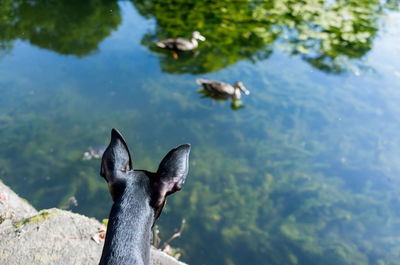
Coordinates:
306	173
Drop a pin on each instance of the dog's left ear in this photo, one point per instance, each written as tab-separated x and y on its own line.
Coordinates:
115	164
171	174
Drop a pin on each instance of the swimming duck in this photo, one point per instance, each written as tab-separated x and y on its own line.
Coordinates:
96	152
181	44
223	90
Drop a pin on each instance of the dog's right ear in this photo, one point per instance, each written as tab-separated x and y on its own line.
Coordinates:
171	174
115	163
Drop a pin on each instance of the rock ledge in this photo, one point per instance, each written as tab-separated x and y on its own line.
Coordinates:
51	236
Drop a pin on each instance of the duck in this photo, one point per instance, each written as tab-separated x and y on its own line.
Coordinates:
181	44
96	152
223	90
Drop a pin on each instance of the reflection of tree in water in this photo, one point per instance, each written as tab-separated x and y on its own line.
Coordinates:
65	26
231	36
327	34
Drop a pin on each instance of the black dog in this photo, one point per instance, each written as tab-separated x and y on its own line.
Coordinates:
139	197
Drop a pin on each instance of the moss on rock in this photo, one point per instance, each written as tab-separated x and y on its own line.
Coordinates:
42	216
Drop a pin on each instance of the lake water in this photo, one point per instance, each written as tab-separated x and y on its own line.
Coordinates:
307	172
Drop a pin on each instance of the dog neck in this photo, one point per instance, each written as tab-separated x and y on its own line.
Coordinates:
129	227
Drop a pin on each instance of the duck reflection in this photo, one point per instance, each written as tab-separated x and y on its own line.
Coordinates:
223	91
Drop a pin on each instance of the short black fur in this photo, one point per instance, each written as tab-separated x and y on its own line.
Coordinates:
139	197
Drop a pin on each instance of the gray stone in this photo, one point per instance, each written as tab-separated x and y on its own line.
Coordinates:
53	236
12	206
